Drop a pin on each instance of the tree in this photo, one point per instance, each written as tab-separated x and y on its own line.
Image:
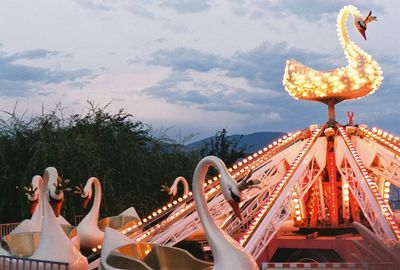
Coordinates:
224	147
130	162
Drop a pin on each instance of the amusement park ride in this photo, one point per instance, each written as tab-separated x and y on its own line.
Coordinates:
308	190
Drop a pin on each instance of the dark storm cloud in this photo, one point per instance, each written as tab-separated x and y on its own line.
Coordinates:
22	79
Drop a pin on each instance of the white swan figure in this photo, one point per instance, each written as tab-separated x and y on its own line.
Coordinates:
35	223
56	189
27	233
54	244
361	77
88	230
56	195
228	254
32	193
173	190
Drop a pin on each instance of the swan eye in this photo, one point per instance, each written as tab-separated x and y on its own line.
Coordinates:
235	197
361	24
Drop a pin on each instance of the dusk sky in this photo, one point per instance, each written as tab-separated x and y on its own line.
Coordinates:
196	66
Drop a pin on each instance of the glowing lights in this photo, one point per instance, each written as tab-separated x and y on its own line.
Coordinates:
362	76
278	189
346	199
383	202
386	192
350	130
387	139
237	171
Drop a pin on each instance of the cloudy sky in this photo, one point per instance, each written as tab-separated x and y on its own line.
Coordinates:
195	65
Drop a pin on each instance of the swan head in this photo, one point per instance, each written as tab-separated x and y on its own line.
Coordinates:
173	190
32	193
233	195
85	192
170	191
361	24
232	190
56	194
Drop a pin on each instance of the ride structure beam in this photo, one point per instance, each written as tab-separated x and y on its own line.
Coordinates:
364	190
332	185
381	154
296	182
269	178
169	231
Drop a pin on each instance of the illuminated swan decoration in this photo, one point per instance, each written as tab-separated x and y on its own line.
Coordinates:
228	254
361	77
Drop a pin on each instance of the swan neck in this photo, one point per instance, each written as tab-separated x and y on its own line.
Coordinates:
37	215
49	174
214	234
185	185
94	211
341	26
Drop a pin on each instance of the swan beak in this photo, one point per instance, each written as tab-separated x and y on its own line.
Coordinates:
32	206
56	205
85	202
171	198
236	208
362	32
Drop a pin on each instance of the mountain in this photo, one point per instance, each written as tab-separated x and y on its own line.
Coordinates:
254	141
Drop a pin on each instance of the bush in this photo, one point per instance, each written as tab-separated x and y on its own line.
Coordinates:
129	160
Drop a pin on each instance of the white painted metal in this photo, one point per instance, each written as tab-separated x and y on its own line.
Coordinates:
186	225
350	170
269	178
300	182
388	165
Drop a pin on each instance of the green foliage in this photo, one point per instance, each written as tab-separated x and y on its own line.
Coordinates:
129	160
224	147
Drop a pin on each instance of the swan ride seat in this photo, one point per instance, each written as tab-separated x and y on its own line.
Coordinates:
154	257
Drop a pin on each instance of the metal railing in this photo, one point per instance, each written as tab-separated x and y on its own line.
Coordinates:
16	263
6	228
